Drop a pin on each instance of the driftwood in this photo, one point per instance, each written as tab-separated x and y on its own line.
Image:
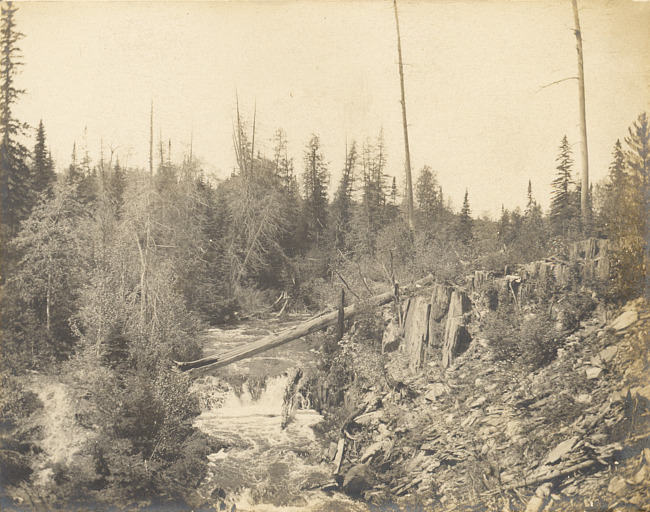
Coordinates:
275	340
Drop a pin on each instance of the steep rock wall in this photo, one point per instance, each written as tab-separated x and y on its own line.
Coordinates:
438	327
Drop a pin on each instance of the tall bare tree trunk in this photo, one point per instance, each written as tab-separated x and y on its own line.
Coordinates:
191	142
143	282
253	141
409	181
48	301
584	191
162	153
151	141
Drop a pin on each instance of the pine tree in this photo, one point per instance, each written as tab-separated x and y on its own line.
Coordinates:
52	267
426	193
638	152
563	201
504	225
393	192
117	186
533	236
315	181
617	168
632	249
15	191
43	175
374	178
342	203
283	165
465	222
530	201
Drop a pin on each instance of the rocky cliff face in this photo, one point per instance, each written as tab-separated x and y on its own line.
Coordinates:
439	322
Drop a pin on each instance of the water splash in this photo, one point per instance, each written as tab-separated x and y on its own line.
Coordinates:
264	466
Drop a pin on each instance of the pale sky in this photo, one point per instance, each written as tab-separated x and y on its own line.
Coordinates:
474	75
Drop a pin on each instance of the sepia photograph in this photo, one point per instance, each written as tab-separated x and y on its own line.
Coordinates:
325	256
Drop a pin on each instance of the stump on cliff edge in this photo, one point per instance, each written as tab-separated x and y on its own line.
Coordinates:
416	331
457	337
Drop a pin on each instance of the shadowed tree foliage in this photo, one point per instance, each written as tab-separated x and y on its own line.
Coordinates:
342	204
625	210
43	175
428	194
465	222
315	178
564	213
16	197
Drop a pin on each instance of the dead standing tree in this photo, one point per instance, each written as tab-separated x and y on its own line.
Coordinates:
407	154
584	191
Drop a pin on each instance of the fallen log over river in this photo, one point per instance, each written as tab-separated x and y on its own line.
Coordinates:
275	340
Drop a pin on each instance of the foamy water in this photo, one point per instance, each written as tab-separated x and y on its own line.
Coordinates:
264	466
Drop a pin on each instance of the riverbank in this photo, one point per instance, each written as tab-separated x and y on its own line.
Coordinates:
483	433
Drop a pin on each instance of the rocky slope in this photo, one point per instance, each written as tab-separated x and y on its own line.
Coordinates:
459	430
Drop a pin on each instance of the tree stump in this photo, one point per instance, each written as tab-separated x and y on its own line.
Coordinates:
457	336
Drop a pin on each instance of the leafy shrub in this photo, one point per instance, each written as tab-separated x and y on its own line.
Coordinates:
628	270
145	441
529	340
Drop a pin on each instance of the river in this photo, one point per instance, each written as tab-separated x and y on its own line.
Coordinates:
272	459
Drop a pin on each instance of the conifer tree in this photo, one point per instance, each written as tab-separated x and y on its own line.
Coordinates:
15	191
533	236
43	175
315	181
465	223
504	225
342	203
638	152
117	186
632	249
283	165
374	178
393	192
530	202
562	202
426	193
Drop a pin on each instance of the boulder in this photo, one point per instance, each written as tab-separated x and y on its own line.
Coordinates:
392	338
623	321
618	486
358	479
434	391
643	392
561	450
605	356
382	446
593	372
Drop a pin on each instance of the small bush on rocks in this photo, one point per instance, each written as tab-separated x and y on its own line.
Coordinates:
530	340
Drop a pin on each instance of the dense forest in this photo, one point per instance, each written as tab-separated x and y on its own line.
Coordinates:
110	273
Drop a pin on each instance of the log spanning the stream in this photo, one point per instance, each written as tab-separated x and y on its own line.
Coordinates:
275	340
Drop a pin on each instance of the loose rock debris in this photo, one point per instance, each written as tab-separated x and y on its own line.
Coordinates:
574	435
